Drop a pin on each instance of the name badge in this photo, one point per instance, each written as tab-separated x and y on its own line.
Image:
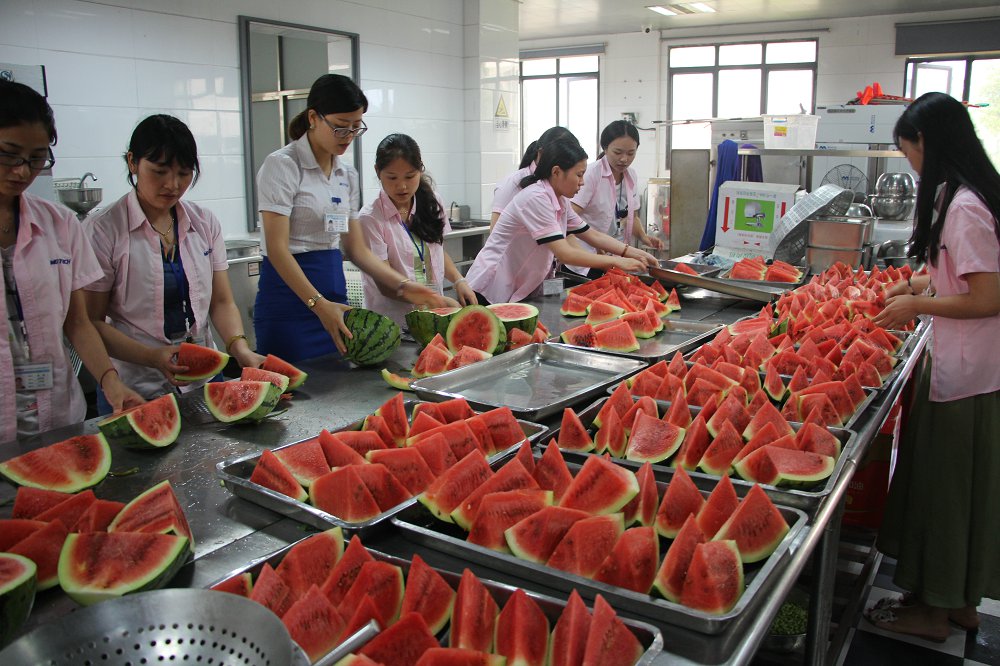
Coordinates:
336	220
33	376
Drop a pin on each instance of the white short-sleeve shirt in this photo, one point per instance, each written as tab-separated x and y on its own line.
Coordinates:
598	197
516	258
291	183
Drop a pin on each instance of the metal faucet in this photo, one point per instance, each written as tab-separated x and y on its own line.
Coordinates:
84	177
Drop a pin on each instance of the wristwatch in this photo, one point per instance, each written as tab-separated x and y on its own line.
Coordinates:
313	300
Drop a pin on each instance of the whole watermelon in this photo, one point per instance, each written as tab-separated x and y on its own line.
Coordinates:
375	337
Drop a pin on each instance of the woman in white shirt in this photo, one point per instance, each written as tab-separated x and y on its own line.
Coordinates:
405	228
309	200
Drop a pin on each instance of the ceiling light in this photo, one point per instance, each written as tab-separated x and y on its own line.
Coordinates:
662	10
701	7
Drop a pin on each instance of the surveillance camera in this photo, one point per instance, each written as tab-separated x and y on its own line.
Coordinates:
647	29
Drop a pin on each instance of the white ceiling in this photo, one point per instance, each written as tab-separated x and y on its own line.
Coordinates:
540	19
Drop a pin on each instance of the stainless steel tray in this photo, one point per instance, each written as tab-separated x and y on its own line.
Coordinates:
806	499
784	285
755	292
418	525
235	475
668	267
535	381
677	335
649	636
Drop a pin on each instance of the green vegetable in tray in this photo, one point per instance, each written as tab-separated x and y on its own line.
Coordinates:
791	619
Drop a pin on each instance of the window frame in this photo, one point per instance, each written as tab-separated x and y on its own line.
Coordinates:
968	58
558	77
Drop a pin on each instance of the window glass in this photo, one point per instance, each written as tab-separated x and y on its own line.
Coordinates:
790	91
691	98
947	76
739	93
692	56
578	111
538	67
984	88
538	99
577	64
740	54
781	52
568	98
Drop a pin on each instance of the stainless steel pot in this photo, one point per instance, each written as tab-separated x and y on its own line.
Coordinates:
896	253
896	184
892	207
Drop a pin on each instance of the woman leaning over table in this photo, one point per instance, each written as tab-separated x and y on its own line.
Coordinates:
940	519
533	232
47	262
165	275
309	200
405	227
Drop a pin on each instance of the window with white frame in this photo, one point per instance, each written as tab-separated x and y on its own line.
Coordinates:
971	78
561	91
740	80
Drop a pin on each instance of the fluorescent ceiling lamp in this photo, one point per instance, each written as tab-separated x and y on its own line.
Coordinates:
662	10
701	7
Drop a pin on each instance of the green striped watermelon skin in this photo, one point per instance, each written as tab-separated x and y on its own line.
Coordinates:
376	337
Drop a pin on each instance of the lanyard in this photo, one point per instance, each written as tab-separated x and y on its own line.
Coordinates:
177	270
418	248
14	292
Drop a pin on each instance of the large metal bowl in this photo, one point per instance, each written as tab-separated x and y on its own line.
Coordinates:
896	184
891	207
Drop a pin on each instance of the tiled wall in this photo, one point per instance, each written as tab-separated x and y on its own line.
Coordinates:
112	63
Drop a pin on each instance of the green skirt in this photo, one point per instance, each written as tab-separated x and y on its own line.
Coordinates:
941	518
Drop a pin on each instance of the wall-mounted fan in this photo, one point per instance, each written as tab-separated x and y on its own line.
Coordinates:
848	177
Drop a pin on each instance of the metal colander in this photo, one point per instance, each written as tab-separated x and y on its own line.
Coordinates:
176	626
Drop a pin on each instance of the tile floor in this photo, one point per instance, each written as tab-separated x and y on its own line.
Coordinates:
869	646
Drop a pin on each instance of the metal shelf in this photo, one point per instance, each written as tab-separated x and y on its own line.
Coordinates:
821	152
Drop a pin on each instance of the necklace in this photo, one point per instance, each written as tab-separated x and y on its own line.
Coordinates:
164	234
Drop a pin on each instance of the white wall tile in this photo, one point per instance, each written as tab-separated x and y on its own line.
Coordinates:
180	39
18	27
88	131
85	27
90	80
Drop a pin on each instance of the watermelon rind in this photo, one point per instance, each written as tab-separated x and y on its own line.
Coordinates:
258	400
52	467
425	324
396	381
375	337
131	428
489	334
18	582
516	315
261	375
215	359
90	553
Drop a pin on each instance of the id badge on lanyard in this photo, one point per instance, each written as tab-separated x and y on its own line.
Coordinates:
336	217
30	374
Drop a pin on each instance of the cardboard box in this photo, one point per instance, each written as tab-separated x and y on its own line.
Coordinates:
748	213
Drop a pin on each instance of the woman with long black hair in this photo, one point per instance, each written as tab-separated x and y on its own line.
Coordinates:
508	188
940	520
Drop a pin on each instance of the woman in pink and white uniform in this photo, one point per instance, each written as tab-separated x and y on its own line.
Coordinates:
508	188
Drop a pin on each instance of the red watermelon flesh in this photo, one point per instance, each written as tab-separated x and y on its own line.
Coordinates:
766	435
459	436
383	486
512	476
305	460
360	614
600	487
526	456
407	466
378	425
500	511
768	414
670	577
13	530
343	494
573	435
600	312
838	395
240	584
756	526
383	583
575	305
70	509
456	409
798	381
67	466
681	499
777	464
646	405
428	594
473	620
696	441
633	562
714	581
611	436
609	641
653	440
201	362
467	356
154	511
619	402
311	560
522	631
448	490
580	336
759	399
314	623
482	432
271	473
702	391
679	413
642	508
271	591
393	411
721	504
732	410
345	572
504	429
337	453
586	544
828	413
569	636
854	389
362	441
403	643
436	453
433	360
619	338
29	502
551	472
535	537
43	547
97	518
295	376
422	422
642	326
718	457
817	439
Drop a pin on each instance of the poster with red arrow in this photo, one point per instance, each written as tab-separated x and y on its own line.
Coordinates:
748	214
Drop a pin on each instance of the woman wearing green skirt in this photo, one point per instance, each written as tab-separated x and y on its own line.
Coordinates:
940	521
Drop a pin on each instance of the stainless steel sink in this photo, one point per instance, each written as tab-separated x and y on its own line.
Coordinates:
81	200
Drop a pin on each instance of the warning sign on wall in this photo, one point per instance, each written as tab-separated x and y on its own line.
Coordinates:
501	119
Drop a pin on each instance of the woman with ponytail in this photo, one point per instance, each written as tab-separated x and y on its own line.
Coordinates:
940	516
405	227
532	232
508	188
309	199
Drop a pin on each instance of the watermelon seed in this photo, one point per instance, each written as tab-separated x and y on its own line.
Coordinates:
124	472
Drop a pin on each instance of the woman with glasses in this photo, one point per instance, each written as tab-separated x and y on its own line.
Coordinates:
609	198
47	263
309	199
534	230
405	227
163	262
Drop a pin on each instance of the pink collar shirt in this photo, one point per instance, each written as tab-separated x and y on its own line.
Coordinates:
599	195
52	259
128	250
508	188
516	258
388	240
968	245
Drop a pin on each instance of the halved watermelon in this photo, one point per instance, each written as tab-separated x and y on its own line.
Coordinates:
18	582
476	326
155	424
425	324
201	362
522	316
67	466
